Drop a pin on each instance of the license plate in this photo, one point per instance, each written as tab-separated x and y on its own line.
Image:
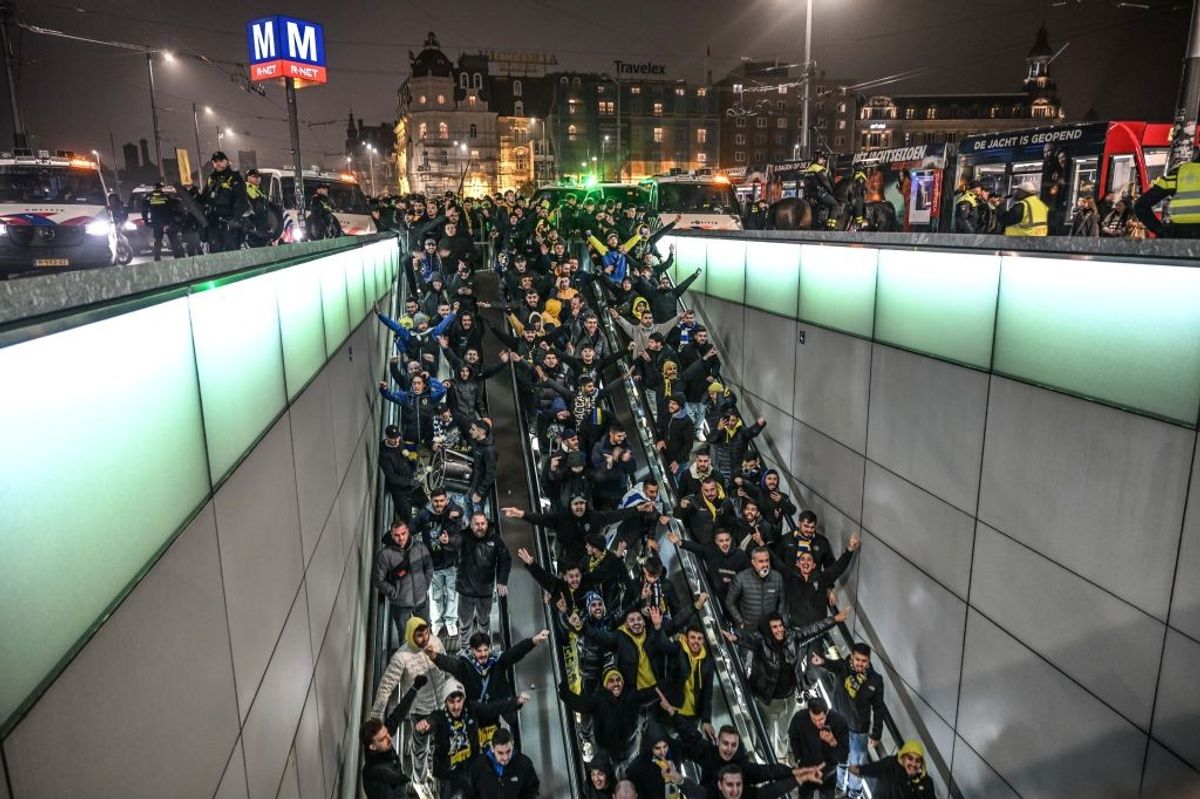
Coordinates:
51	262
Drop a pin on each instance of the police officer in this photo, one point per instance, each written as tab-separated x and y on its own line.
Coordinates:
818	190
160	213
321	222
255	213
1182	187
857	197
1028	215
970	209
220	200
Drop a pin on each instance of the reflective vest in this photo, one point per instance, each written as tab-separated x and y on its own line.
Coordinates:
967	197
1033	220
1184	187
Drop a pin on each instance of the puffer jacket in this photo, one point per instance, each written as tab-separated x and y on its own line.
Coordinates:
778	666
465	398
752	598
407	662
483	466
429	525
483	563
404	575
728	447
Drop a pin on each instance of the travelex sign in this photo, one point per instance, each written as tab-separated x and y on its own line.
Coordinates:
283	47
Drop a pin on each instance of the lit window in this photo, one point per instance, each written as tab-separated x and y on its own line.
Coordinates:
931	113
658	108
474	153
680	91
841	107
740	157
571	131
841	124
737	88
783	88
443	130
702	92
781	122
601	89
658	135
910	113
422	129
605	107
516	88
701	135
701	158
635	89
421	99
441	98
471	100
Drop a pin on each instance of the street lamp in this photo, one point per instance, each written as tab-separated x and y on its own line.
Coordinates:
808	14
603	159
154	109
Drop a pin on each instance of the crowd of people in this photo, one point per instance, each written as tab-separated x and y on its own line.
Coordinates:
638	665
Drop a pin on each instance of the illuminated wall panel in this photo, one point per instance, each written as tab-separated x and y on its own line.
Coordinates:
103	457
1128	334
837	287
773	276
333	303
690	255
355	288
938	303
301	325
725	273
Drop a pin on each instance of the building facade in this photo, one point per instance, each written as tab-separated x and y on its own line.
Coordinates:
371	155
902	120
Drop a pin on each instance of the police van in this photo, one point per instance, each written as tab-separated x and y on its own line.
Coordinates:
349	203
54	214
702	200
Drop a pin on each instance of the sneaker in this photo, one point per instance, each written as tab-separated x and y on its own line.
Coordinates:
589	751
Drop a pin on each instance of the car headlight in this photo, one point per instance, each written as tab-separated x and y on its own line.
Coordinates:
3	229
98	228
129	225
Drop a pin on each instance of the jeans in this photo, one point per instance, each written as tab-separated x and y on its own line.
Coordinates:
474	616
443	600
695	412
851	783
471	507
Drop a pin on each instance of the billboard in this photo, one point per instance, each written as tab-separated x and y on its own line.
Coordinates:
284	47
909	178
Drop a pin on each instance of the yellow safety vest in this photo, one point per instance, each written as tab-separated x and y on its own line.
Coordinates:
1184	185
1033	221
967	197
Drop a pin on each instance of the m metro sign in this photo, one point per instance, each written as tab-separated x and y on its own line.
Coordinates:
283	47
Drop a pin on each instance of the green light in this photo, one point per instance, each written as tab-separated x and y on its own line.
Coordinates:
591	180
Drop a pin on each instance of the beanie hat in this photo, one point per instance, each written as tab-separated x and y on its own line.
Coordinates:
715	388
595	540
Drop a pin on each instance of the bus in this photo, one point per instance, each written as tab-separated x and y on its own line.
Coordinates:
54	214
702	201
349	203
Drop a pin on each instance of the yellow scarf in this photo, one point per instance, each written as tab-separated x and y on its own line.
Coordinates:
645	674
694	683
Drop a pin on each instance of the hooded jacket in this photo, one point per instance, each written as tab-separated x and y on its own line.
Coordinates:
646	771
778	666
516	780
600	762
465	397
483	563
639	335
893	782
775	510
397	466
677	432
483	466
808	600
611	480
681	667
707	756
406	663
456	741
752	598
404	575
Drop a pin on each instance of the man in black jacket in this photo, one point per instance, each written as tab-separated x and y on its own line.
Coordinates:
900	777
483	672
712	758
805	538
502	772
615	713
687	681
396	461
808	588
676	433
819	737
457	734
573	525
705	512
857	695
483	567
722	560
383	775
483	465
440	526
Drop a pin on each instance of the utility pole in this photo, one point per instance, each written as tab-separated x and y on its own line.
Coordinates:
199	152
20	139
289	85
1183	134
805	88
154	117
116	166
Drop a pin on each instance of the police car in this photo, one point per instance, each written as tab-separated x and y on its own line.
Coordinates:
349	203
54	214
704	201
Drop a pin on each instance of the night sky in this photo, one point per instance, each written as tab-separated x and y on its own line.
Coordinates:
1123	62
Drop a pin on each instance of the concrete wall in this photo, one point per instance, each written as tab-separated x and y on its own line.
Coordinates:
1028	571
228	671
